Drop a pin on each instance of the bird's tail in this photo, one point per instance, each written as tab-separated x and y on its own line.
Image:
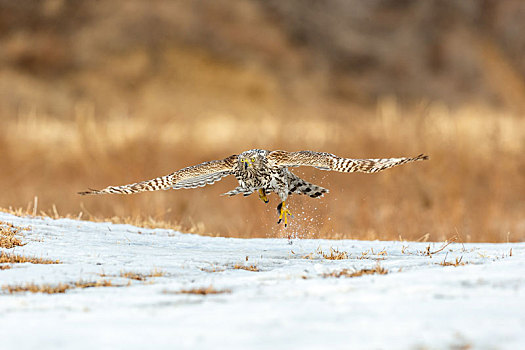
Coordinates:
300	186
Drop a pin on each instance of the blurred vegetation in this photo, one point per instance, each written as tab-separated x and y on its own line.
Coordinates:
99	93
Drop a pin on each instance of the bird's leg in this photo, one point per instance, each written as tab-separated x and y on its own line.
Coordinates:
284	212
262	196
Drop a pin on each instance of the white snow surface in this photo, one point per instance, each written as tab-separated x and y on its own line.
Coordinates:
289	303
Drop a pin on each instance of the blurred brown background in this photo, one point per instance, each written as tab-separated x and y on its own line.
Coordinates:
94	93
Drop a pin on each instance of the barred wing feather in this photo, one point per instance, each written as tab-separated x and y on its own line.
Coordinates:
328	161
190	177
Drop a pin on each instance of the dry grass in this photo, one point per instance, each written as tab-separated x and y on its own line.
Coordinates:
36	288
9	241
18	259
200	291
429	252
371	255
8	235
352	273
136	107
252	267
5	267
99	283
473	182
213	269
457	262
54	289
449	192
334	254
142	276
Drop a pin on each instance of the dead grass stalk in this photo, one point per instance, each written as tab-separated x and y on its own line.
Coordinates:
56	288
18	259
333	254
352	273
200	291
9	233
142	276
252	267
457	262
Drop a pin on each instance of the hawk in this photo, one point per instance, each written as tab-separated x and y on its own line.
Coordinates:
263	172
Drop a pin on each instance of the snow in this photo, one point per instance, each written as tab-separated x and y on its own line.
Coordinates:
419	304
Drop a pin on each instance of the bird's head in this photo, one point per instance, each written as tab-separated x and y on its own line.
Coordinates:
251	159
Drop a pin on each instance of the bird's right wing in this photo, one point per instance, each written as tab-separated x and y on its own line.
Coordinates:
190	177
328	161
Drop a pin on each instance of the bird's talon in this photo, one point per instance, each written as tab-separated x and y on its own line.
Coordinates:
262	196
284	213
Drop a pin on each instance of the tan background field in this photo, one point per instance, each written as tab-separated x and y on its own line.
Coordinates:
118	92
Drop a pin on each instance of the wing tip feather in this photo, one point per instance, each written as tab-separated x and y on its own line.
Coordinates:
90	191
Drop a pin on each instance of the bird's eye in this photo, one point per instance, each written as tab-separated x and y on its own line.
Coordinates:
253	160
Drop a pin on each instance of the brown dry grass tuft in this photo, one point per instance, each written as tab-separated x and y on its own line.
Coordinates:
142	276
252	267
429	252
349	273
371	255
37	288
99	283
54	289
213	269
457	262
334	254
5	267
18	259
8	235
201	291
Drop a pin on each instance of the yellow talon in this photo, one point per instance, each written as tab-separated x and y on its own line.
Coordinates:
284	213
262	196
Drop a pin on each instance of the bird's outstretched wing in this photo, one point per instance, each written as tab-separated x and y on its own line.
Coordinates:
328	161
190	177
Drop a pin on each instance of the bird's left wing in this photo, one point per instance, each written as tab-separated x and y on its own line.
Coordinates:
328	161
190	177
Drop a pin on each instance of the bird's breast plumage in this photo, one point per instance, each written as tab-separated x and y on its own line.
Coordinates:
263	176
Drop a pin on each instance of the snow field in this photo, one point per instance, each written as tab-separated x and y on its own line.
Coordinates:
288	303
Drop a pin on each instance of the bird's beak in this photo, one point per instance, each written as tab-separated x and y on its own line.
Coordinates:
245	165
